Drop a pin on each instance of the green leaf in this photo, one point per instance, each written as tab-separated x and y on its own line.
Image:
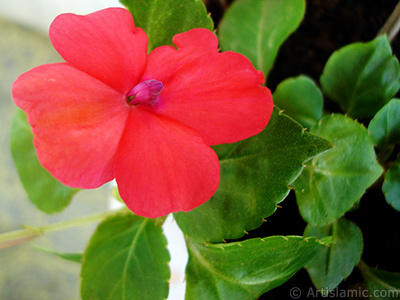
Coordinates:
75	257
385	126
245	270
126	259
255	174
391	186
362	77
381	285
332	182
44	191
334	263
162	19
257	28
301	99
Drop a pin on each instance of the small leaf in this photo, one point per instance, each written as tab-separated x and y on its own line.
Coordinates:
301	99
44	191
334	263
381	285
255	174
162	19
362	77
126	259
75	257
391	186
245	270
385	126
257	28
331	184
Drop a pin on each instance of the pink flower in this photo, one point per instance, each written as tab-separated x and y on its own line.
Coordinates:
147	120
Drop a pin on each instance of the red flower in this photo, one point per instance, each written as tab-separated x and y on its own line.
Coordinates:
147	120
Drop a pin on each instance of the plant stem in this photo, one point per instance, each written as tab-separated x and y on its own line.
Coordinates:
362	266
392	25
15	237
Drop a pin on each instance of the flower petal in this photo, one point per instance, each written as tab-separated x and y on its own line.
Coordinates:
163	166
105	44
77	122
217	94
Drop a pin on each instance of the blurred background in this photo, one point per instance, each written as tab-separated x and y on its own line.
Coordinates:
27	273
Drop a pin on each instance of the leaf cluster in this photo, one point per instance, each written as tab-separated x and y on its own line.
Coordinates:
330	160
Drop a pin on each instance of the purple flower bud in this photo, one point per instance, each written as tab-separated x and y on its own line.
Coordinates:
145	92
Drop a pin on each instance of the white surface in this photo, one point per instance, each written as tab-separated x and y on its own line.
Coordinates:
38	14
179	257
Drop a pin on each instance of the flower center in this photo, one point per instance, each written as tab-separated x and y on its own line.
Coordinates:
145	92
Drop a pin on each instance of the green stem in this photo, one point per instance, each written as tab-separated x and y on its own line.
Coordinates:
392	25
15	237
362	266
